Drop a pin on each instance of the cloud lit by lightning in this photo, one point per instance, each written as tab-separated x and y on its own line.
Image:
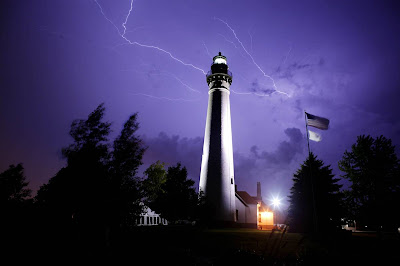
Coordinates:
140	44
252	59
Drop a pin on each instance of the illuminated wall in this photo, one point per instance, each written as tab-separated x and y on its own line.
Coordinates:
265	219
217	180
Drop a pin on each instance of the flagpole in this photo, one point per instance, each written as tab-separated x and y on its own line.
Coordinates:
308	137
311	177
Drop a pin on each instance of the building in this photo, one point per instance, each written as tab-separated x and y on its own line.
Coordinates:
252	212
217	182
150	218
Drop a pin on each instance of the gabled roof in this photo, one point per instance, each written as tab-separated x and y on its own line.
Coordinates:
246	197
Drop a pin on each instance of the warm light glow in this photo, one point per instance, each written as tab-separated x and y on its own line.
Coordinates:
267	215
219	60
276	202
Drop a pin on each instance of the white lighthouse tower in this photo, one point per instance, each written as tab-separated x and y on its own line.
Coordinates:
217	180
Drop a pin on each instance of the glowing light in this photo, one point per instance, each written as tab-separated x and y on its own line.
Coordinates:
267	215
140	44
219	61
252	59
276	202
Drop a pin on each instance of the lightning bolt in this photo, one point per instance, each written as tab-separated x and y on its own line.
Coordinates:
287	55
253	93
226	39
163	98
251	41
208	52
165	73
140	44
184	84
251	57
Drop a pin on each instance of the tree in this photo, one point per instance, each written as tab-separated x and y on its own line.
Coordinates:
126	158
13	185
98	191
314	198
16	211
156	176
373	168
177	198
76	197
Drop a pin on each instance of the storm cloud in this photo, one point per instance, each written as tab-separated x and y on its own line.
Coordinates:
273	168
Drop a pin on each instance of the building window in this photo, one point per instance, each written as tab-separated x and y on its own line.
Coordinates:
148	220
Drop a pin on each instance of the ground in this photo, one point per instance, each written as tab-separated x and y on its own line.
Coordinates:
191	245
194	246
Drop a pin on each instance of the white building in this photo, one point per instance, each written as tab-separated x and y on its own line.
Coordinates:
217	180
252	212
150	218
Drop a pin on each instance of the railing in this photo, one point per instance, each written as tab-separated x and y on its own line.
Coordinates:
209	73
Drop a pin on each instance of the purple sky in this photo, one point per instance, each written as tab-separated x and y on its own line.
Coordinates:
336	59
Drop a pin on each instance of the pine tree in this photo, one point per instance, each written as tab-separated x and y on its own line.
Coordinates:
13	185
315	199
177	199
374	170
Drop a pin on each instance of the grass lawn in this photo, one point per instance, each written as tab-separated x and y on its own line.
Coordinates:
194	246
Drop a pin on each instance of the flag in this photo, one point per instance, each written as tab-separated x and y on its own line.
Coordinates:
316	121
314	136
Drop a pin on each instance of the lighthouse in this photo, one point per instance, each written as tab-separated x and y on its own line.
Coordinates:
217	182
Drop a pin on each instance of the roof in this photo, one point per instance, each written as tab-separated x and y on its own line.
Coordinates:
246	197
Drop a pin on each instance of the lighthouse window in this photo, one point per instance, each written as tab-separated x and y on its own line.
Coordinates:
232	181
220	61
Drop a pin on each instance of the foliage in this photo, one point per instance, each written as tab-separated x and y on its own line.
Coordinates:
127	156
315	200
98	191
176	199
13	185
156	176
373	168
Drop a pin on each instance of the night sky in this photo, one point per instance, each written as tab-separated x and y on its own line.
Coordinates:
335	59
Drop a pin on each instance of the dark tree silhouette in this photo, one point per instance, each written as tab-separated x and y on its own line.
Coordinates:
13	185
373	168
177	199
126	190
315	200
78	194
16	212
97	193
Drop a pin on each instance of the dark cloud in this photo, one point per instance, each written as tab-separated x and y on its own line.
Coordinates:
174	149
286	150
274	169
267	166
